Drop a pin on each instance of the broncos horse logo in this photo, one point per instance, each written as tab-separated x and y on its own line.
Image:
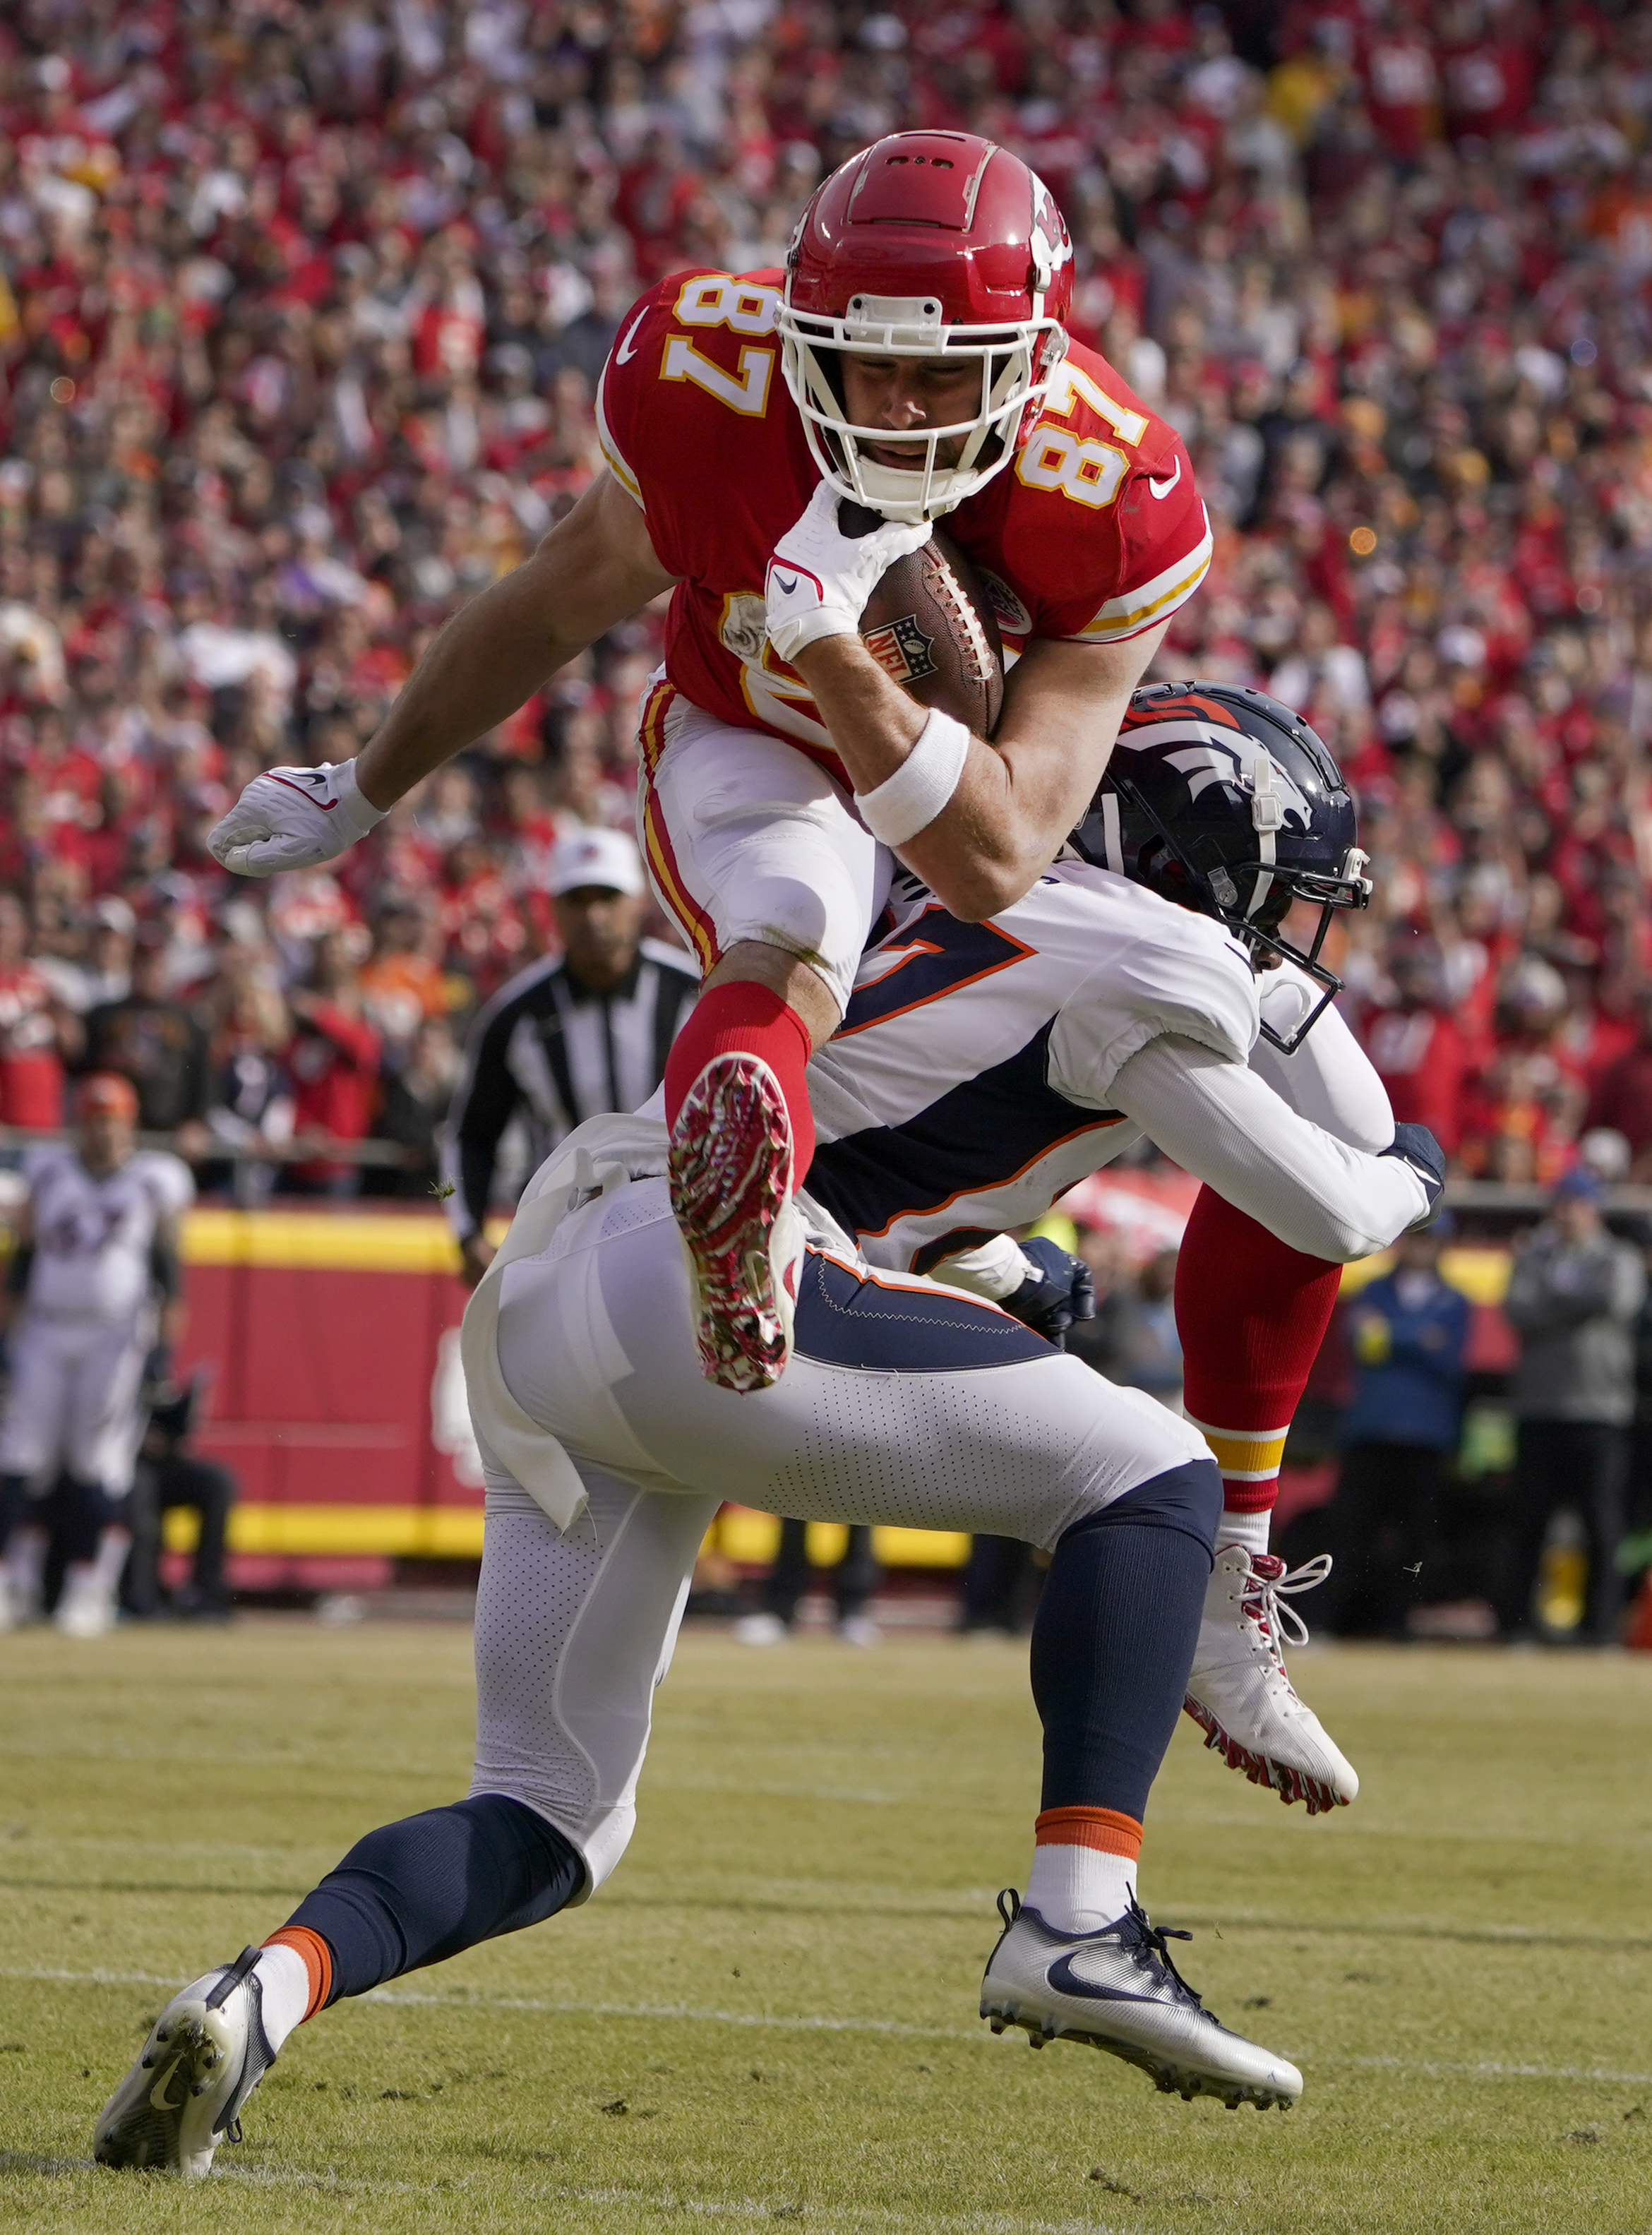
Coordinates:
1231	758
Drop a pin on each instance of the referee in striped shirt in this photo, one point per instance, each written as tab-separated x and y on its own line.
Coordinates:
568	1040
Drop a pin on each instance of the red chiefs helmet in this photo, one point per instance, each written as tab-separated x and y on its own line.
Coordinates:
926	244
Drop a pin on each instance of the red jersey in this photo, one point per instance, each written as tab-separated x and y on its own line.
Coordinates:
31	1070
1419	1056
334	1060
1093	534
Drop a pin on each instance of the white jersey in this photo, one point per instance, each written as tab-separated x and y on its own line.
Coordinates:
969	1086
95	1238
975	1077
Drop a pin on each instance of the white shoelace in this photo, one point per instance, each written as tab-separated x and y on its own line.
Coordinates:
1266	1601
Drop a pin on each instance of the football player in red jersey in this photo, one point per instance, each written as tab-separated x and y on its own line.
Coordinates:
912	359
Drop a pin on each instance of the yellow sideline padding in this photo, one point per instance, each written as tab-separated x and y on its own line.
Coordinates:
753	1538
1482	1274
319	1243
409	1533
454	1532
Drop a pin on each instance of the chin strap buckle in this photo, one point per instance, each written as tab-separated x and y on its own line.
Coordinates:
1266	808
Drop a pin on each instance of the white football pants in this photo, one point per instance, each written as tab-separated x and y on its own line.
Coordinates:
904	1403
746	837
73	1404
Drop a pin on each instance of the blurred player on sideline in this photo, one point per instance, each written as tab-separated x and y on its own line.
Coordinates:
93	1285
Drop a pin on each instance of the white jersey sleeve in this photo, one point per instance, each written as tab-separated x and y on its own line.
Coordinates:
1330	1079
1221	1122
1096	964
1180	973
168	1179
970	1084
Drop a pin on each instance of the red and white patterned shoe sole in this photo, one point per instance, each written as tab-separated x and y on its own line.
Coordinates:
1291	1784
731	1175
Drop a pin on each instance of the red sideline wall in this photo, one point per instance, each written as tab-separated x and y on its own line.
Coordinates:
332	1342
332	1338
329	1339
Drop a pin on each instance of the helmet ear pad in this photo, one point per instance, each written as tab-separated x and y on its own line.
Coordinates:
1162	870
1223	801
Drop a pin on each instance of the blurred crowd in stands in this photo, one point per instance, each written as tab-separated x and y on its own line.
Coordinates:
302	305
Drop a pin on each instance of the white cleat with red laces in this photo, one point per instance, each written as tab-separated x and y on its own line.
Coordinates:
1239	1693
730	1194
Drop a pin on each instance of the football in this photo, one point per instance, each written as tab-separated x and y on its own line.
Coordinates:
931	624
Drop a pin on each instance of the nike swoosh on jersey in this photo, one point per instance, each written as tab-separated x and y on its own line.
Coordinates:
624	354
787	587
1164	488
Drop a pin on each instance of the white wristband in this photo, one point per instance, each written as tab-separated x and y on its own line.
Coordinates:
356	812
909	800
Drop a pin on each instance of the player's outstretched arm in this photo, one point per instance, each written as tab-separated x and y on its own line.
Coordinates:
1220	1122
1014	800
1328	1077
594	569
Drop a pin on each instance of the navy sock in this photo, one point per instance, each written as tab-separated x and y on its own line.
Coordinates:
1114	1637
418	1891
14	1504
86	1509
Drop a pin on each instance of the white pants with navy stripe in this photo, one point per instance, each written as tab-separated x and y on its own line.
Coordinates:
905	1404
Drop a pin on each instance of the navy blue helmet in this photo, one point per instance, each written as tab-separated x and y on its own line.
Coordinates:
1221	799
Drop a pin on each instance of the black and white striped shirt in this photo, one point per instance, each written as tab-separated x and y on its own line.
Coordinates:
549	1049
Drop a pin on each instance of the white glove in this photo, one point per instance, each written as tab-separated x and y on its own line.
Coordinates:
819	578
294	818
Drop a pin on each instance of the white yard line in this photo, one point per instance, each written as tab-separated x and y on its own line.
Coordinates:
810	2022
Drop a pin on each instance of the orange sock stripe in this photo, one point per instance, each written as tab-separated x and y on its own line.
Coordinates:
315	1957
1108	1830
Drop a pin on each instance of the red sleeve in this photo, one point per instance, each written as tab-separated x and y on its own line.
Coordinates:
622	391
356	1041
691	377
1106	534
1164	550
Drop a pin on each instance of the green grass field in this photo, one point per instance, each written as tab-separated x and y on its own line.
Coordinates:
770	2014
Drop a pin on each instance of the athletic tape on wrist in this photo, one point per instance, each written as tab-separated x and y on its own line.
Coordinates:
909	800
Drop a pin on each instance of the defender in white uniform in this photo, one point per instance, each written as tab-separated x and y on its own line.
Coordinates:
93	1283
907	1402
1097	1012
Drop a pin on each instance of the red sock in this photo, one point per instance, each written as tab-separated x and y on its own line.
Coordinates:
1252	1314
747	1019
